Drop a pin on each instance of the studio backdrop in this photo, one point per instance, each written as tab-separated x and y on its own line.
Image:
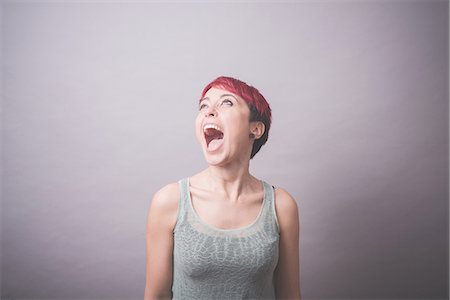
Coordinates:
99	100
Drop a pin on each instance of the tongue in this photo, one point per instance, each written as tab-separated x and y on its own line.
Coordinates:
215	144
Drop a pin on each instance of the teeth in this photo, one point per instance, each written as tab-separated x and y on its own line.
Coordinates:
208	126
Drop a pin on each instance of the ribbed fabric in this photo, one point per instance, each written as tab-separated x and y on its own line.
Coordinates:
212	263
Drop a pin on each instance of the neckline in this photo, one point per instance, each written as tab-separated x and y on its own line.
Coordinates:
191	205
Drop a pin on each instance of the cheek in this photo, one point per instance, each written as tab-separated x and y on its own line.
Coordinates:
239	127
198	132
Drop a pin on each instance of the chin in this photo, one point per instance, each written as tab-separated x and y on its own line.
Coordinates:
216	159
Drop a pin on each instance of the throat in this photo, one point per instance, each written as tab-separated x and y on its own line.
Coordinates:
214	139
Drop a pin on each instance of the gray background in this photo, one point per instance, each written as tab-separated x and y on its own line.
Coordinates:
98	107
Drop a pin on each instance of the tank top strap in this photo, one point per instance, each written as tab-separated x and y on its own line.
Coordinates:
182	202
269	192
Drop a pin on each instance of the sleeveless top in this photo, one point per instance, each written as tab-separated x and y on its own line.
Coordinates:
212	263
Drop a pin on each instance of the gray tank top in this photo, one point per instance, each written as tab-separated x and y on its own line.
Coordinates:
212	263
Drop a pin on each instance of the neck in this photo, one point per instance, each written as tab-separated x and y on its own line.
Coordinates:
232	180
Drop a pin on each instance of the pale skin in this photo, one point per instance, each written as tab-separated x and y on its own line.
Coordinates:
224	195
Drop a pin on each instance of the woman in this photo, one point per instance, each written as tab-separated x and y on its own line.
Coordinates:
222	233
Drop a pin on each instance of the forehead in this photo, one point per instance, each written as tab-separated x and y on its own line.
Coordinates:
215	93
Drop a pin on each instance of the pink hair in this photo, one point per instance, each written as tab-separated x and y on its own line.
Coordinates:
259	108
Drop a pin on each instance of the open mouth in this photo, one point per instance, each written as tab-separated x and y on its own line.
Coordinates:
213	136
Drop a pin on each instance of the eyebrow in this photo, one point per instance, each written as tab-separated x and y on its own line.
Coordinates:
229	95
222	96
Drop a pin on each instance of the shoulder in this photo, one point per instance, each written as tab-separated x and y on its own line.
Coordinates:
284	201
164	204
286	208
167	196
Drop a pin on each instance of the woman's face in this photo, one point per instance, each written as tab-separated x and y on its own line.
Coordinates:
223	127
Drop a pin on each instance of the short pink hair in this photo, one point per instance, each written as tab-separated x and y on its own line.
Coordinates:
259	108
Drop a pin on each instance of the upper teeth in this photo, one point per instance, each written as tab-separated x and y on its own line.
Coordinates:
208	126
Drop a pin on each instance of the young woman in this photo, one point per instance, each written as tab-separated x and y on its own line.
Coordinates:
222	233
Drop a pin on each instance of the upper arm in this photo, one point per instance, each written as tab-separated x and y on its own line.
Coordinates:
160	224
287	273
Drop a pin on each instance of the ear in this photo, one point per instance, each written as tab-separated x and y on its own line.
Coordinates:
257	128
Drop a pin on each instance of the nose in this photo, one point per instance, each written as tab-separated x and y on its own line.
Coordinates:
211	112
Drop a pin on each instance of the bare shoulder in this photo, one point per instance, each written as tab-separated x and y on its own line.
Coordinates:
284	201
167	197
164	205
286	207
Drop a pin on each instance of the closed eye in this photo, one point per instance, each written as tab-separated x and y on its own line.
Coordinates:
202	106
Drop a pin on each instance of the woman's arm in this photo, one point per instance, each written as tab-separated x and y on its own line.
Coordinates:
161	221
287	277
